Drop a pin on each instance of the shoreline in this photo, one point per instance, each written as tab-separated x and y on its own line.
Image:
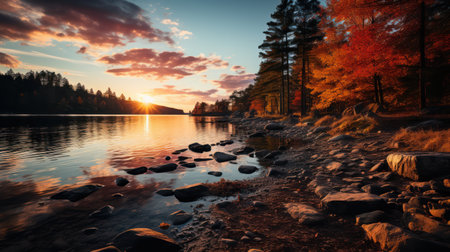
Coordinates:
259	218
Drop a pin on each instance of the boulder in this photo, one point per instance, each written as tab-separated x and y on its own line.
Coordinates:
199	148
304	213
202	159
77	193
341	138
165	192
420	165
190	192
103	212
323	191
226	142
223	157
120	181
164	168
141	239
262	153
167	158
274	126
215	173
182	158
180	217
393	238
352	203
247	169
243	151
370	217
419	222
136	171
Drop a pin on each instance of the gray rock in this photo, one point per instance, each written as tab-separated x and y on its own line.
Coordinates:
190	192
199	148
120	181
420	165
180	217
136	171
393	238
103	212
352	203
304	213
370	217
215	173
247	169
165	192
223	157
164	168
274	126
77	193
341	138
261	153
141	239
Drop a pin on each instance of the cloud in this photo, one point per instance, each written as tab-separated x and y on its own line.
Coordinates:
8	60
44	55
152	64
103	23
238	69
169	22
82	50
170	90
233	82
181	33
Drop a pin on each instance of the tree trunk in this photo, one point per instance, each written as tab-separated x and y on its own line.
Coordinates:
287	74
422	98
303	96
282	86
375	85
380	91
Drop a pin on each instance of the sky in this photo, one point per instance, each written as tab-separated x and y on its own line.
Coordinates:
173	52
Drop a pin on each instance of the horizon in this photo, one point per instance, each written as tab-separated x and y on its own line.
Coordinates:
176	55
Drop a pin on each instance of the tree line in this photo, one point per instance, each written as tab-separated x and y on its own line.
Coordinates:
46	92
393	53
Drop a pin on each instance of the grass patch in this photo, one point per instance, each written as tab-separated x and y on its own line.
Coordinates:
225	188
355	124
423	140
325	121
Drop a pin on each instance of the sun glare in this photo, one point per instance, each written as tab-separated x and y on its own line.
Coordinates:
147	99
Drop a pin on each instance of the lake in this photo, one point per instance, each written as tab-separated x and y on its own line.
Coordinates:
41	155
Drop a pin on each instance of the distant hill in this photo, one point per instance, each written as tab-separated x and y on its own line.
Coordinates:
50	93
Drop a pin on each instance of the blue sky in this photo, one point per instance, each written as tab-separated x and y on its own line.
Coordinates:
228	32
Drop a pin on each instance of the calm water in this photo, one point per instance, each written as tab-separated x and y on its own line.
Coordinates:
40	155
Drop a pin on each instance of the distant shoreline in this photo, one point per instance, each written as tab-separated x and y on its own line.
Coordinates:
77	114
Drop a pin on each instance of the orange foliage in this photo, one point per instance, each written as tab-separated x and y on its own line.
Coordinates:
258	105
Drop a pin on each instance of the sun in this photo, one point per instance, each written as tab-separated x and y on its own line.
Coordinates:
147	99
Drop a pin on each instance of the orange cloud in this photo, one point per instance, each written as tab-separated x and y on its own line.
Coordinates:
149	63
96	22
232	82
8	60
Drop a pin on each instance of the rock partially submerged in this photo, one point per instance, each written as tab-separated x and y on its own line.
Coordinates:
120	181
223	157
137	171
190	192
180	217
164	168
165	192
199	148
143	239
304	213
202	159
215	173
103	212
247	169
77	193
243	151
352	203
420	165
189	165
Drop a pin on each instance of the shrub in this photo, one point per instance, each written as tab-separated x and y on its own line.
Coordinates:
423	140
357	124
325	121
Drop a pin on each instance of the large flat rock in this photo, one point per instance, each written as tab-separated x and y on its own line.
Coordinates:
393	238
419	222
352	203
223	157
143	239
304	213
420	165
78	193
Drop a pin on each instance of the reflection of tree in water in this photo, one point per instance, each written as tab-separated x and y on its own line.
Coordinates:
207	123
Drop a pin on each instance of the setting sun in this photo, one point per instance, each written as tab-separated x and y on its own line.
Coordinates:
147	99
